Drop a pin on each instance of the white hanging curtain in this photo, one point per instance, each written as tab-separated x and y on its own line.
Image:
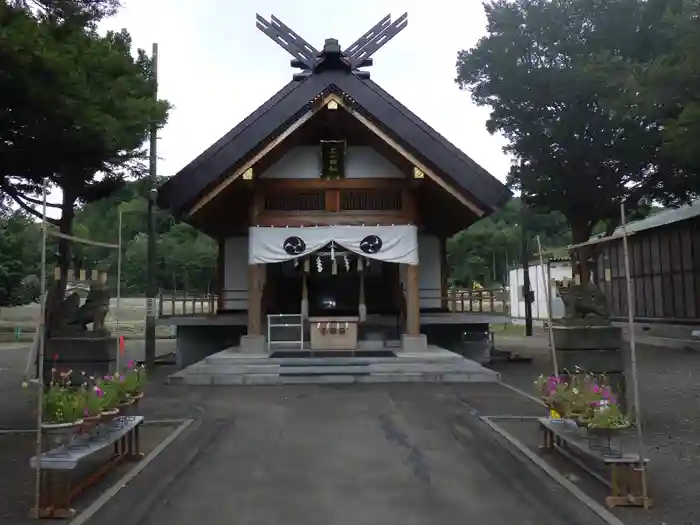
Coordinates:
396	244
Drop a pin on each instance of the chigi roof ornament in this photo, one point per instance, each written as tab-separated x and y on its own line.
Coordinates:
310	60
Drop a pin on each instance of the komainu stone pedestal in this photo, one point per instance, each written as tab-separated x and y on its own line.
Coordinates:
598	349
96	355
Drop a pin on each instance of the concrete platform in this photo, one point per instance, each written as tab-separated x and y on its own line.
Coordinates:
230	367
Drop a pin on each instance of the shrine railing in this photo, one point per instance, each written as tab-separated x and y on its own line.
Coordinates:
488	301
180	303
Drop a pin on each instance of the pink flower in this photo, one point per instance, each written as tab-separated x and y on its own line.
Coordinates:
130	364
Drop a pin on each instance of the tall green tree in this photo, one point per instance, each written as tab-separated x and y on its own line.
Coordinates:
488	249
19	259
78	106
573	154
665	86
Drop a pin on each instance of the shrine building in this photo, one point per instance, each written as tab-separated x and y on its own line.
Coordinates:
331	204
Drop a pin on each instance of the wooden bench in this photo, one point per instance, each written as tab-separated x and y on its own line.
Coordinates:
617	455
58	466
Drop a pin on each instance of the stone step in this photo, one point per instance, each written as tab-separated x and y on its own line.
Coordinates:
233	359
276	379
333	369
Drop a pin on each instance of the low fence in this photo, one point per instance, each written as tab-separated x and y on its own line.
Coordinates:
172	304
489	301
493	301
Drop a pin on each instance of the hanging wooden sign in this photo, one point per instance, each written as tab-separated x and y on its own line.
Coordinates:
332	159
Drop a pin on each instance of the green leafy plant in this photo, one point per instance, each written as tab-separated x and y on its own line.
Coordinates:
61	405
608	415
92	399
110	393
134	379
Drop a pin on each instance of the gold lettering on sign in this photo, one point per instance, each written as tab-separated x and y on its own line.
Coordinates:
332	159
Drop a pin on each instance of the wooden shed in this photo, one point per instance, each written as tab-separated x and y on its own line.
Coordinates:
664	264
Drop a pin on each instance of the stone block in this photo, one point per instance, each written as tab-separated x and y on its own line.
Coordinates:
196	343
96	356
594	361
253	344
586	337
414	343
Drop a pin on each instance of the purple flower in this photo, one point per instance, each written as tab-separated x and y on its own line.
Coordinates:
86	412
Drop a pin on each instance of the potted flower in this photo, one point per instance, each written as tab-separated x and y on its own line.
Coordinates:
118	383
62	410
135	381
110	398
606	419
555	394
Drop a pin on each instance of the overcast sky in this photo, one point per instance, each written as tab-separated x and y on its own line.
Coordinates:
216	67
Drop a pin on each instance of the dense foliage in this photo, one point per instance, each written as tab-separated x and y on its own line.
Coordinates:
185	258
551	72
77	105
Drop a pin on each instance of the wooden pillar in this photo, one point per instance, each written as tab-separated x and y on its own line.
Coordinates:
221	275
412	300
444	272
255	299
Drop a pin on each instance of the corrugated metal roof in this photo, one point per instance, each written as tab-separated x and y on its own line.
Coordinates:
662	218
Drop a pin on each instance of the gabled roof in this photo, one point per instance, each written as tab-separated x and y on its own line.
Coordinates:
294	100
657	220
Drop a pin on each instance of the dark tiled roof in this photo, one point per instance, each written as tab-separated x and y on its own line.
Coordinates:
295	99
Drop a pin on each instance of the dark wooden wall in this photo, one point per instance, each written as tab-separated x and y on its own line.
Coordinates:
665	270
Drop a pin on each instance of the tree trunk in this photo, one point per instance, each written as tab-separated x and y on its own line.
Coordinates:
65	225
580	233
57	289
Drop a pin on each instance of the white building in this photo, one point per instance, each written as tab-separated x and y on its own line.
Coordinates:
559	270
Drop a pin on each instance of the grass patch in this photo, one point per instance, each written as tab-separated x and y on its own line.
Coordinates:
507	329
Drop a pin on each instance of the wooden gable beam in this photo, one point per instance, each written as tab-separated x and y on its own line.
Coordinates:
249	164
413	160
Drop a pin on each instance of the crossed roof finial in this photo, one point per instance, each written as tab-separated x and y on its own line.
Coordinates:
309	59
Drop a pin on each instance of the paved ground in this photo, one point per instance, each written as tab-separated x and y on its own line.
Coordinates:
406	452
358	454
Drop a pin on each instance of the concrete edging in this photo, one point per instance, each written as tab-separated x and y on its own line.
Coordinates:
112	491
579	494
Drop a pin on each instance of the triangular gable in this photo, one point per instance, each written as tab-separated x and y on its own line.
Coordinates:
295	104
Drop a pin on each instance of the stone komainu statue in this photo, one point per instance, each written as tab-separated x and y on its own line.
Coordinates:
584	301
69	316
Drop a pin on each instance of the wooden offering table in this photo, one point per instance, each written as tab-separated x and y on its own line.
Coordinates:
625	476
333	333
61	478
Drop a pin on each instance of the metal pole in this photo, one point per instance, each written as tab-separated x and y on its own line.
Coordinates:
40	356
547	291
150	266
633	356
527	293
119	285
